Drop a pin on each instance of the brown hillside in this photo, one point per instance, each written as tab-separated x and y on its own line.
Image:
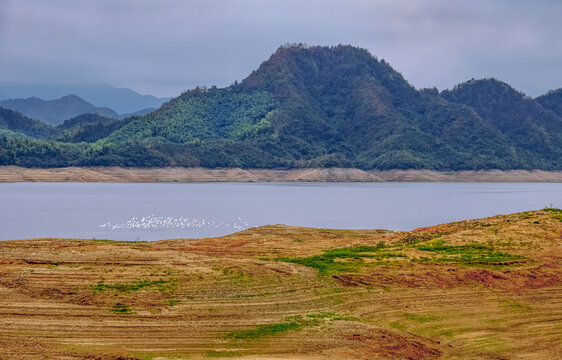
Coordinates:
488	288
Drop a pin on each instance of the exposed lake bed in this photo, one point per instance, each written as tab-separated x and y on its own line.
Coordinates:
321	293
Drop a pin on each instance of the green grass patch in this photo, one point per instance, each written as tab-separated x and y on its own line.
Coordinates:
419	318
120	309
173	302
352	259
556	213
331	316
343	260
397	325
103	240
464	254
160	285
265	330
292	323
512	305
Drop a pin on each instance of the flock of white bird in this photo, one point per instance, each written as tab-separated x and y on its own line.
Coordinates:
159	222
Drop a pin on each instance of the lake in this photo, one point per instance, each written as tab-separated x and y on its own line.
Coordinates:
153	211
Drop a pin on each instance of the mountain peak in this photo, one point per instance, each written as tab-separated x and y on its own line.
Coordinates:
298	68
72	97
484	87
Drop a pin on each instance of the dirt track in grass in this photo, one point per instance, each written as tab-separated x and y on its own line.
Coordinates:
487	288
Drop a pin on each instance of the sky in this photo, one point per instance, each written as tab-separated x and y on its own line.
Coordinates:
163	47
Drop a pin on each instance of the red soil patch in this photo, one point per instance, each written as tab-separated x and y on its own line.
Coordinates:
378	343
446	277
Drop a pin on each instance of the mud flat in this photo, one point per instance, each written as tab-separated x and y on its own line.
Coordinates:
119	174
478	289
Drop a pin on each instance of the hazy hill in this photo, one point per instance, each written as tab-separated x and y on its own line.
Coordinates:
330	107
54	112
123	101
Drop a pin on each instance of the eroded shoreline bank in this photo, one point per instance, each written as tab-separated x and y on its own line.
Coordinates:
176	174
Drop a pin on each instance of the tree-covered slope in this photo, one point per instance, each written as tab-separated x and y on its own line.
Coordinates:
15	122
86	128
534	133
552	100
320	107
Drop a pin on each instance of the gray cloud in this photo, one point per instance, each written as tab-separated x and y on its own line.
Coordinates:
166	46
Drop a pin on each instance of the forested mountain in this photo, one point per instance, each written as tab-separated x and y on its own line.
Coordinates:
552	101
15	124
54	112
86	128
318	107
533	131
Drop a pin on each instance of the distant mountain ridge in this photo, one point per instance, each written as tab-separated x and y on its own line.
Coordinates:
54	112
322	107
121	100
137	113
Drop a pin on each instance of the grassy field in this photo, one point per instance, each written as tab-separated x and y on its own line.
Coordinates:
477	289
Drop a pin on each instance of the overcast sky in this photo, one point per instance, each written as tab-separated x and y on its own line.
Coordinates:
163	47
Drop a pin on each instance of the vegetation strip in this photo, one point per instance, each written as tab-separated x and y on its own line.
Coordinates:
291	323
161	285
352	259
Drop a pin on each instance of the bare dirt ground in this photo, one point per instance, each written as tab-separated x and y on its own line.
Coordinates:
118	174
479	289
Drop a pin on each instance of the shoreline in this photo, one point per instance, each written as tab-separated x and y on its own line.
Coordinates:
177	174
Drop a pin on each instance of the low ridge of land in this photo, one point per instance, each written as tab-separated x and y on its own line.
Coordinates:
487	288
177	174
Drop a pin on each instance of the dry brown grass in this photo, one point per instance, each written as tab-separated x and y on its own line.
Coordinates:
185	298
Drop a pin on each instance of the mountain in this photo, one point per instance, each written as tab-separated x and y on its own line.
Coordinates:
121	100
54	112
329	107
15	123
86	128
552	101
85	120
532	131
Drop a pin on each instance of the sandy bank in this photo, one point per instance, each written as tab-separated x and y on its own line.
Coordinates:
118	174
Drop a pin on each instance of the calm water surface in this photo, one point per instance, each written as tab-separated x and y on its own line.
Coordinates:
141	211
